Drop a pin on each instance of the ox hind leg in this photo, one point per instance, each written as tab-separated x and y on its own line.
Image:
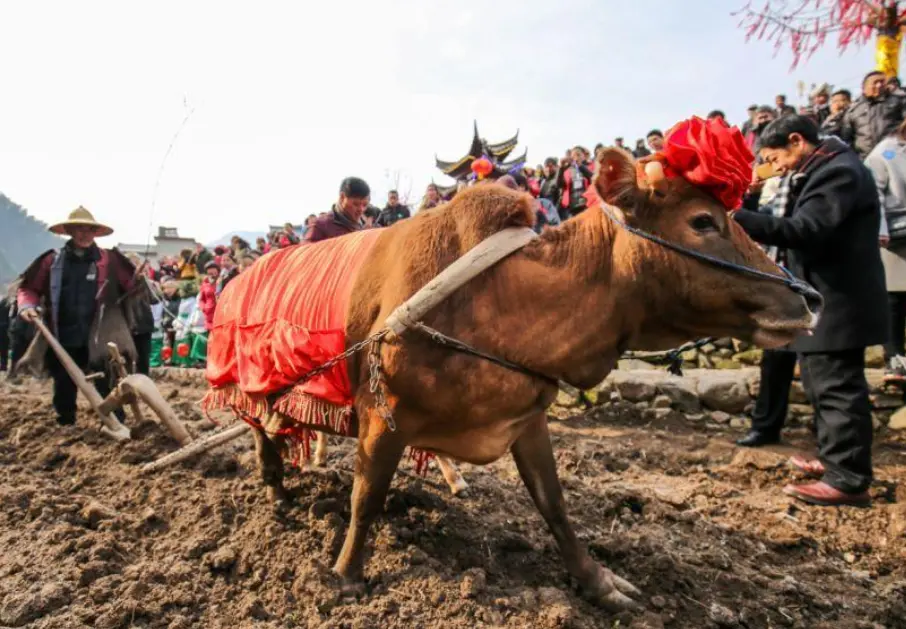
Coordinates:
535	460
321	443
270	463
378	455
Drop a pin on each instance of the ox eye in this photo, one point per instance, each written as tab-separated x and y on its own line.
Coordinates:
703	223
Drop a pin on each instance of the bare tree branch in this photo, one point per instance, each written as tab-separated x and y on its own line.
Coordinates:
803	25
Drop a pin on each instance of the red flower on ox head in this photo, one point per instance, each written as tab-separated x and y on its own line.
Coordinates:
710	155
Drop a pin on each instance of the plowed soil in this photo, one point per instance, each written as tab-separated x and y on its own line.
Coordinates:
700	527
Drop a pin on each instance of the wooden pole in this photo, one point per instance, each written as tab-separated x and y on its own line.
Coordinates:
197	447
109	424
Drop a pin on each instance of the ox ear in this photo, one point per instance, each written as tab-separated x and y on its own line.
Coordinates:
616	181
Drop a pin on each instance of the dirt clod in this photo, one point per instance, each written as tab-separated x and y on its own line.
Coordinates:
473	583
94	512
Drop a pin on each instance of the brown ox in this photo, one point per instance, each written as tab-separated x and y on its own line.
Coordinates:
566	305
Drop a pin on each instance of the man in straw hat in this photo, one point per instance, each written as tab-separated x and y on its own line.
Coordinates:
79	286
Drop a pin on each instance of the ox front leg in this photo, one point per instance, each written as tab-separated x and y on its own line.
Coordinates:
271	465
457	483
378	456
535	460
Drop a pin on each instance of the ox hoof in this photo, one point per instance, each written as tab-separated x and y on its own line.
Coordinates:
610	591
460	488
279	498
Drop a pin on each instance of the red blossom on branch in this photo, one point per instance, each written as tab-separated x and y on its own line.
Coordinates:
804	25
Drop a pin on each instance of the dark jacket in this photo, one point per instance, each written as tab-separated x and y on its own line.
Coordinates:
550	188
390	215
74	287
868	121
5	308
334	224
833	125
138	305
201	259
822	113
831	235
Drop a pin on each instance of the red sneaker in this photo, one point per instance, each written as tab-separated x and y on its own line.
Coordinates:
812	467
824	495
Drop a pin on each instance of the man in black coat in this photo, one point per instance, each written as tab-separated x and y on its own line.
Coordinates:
831	238
393	212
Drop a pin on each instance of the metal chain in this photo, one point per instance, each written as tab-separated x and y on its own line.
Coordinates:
377	385
354	349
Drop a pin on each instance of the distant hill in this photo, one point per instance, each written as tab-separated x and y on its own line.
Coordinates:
22	238
248	236
7	272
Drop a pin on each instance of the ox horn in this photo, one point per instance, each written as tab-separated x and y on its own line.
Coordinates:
654	174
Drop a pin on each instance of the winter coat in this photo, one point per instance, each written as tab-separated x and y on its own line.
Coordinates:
831	238
207	301
73	300
334	224
870	120
391	214
887	163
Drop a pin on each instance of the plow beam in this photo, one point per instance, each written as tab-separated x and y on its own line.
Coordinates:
109	424
138	386
197	447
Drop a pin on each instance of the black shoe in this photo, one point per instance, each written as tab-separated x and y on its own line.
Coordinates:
757	439
66	420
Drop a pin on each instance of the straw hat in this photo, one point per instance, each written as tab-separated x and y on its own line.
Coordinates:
80	216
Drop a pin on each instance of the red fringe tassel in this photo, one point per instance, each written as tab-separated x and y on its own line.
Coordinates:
306	411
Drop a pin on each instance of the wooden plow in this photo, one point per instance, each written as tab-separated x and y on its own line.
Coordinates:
128	390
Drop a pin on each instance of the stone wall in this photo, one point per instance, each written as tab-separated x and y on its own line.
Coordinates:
721	396
734	354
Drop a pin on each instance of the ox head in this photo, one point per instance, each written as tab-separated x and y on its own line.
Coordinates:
685	297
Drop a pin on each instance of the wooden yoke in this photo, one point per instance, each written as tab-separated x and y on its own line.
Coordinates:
483	256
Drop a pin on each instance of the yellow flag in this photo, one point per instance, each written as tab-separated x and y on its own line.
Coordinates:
887	54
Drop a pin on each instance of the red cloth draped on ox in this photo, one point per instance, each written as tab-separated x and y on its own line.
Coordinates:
284	316
278	320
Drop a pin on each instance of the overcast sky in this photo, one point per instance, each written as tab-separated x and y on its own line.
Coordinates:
290	97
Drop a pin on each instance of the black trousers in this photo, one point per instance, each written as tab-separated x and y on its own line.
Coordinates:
20	336
772	403
897	343
4	348
142	353
65	390
836	386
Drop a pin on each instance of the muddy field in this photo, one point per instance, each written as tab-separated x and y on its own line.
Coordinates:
699	526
